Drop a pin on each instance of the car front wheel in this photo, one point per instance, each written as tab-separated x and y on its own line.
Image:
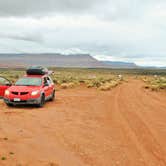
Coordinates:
42	101
9	104
52	96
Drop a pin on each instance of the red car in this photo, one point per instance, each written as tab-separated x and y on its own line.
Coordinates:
30	89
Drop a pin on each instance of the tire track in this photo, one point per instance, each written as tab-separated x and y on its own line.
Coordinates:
129	106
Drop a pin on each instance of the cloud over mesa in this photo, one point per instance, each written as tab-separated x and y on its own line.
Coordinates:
129	30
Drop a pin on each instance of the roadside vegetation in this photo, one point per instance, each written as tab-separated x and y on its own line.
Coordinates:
102	79
155	83
91	78
64	78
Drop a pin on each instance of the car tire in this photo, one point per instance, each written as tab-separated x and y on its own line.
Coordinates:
9	104
52	96
42	101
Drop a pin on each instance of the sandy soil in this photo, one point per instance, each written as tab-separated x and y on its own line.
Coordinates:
86	127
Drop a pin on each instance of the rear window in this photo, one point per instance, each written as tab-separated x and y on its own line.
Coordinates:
29	81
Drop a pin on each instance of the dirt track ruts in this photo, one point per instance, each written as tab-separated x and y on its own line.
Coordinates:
125	126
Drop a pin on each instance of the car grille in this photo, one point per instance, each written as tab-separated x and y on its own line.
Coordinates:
15	93
21	93
21	101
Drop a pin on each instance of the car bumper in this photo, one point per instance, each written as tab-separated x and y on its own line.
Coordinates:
22	102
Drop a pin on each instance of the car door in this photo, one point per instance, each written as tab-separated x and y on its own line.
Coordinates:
46	87
51	85
4	84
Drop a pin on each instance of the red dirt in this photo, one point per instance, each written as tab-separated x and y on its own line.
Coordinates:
125	126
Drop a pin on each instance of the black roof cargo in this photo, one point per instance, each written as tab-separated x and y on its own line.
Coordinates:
37	70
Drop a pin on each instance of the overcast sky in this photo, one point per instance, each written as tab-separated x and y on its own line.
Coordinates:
120	30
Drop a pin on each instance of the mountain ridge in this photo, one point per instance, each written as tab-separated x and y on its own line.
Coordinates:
120	64
63	60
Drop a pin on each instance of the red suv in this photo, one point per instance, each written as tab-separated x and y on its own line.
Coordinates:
33	88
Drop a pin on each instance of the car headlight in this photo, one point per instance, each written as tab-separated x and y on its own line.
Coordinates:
7	92
34	93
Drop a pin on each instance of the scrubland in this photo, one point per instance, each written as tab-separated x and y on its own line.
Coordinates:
101	79
155	83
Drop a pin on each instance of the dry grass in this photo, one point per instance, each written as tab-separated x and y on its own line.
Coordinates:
67	85
109	85
102	79
91	78
69	78
155	83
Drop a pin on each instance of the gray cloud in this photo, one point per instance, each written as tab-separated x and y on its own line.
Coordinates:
130	30
37	38
40	7
108	9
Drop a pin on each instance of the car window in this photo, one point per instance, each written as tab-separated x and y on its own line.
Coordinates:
4	81
29	81
49	80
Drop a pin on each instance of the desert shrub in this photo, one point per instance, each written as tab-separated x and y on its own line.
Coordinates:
67	85
156	83
89	85
109	85
155	87
105	87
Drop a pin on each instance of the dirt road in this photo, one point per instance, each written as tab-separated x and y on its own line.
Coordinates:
86	127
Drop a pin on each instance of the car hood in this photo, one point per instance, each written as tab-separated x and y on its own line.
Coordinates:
23	88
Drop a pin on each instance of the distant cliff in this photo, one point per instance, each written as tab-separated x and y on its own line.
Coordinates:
61	60
47	59
118	64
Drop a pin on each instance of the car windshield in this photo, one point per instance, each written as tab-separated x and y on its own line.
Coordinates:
29	81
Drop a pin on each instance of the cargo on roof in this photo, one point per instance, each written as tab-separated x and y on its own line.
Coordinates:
37	70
